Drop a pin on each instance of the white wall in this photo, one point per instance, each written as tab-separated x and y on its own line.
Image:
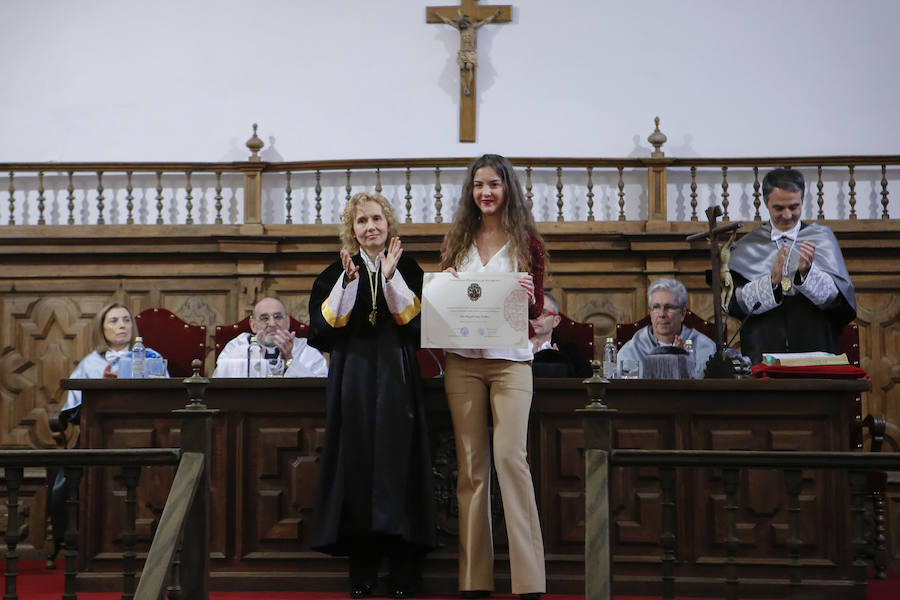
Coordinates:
183	80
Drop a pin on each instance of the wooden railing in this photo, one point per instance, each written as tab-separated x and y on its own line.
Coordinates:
600	457
653	189
183	527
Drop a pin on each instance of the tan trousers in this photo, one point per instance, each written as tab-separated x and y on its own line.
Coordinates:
470	384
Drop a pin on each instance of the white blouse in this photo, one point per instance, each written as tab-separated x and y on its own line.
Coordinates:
501	262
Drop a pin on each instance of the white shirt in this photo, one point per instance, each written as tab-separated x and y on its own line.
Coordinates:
501	262
307	361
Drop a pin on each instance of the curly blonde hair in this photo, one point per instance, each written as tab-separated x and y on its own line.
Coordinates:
518	222
356	202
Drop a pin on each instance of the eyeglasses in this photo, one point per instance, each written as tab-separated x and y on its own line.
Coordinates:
548	313
266	317
664	308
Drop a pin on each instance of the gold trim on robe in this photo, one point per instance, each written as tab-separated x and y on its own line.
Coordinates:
338	306
402	301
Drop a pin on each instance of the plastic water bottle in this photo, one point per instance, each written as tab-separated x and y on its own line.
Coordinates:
691	358
255	359
609	359
138	359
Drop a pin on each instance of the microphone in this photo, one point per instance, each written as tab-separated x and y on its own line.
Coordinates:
743	322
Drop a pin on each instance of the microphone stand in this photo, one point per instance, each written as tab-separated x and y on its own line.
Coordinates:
723	365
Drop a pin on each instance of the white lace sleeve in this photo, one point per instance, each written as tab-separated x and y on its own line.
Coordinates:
759	290
818	286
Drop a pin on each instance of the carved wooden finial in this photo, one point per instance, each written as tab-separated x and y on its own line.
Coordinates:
255	144
196	387
657	138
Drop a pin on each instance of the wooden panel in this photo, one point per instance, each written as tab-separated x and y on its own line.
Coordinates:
209	276
263	478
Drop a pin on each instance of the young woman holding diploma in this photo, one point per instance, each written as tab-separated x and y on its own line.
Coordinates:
494	231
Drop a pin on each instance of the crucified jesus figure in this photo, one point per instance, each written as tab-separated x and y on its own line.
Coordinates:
467	58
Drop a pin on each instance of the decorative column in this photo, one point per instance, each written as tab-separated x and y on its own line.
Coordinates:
597	418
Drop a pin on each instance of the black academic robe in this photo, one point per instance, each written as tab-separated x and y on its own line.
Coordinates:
375	466
796	325
567	361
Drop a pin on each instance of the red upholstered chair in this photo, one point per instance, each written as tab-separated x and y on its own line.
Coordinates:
179	342
625	331
226	333
580	334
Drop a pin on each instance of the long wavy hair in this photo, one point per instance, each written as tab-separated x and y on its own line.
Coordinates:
101	344
516	217
348	238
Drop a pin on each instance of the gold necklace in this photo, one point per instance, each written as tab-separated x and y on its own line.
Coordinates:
373	286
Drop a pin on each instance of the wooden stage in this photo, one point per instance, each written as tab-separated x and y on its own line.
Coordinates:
263	474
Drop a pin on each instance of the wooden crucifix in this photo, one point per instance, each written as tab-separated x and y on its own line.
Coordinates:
467	18
718	267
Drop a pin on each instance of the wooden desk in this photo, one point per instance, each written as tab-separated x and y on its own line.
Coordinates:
263	474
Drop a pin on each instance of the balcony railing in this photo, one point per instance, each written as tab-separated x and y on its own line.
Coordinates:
650	188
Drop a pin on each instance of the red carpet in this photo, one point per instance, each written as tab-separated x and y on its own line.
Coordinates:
36	583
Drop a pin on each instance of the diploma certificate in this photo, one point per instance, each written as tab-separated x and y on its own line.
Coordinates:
474	310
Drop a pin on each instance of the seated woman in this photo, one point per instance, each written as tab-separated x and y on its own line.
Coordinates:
114	334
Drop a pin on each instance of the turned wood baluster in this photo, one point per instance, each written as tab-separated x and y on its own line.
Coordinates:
14	476
100	220
852	184
318	196
408	196
667	537
793	481
756	194
858	492
590	193
437	196
820	197
41	198
218	197
347	187
70	197
621	194
884	193
188	200
693	193
725	194
529	194
129	198
173	591
288	203
130	477
12	201
73	482
559	195
730	479
159	198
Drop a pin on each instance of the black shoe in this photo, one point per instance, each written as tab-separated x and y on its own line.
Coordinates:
530	596
474	594
401	593
360	591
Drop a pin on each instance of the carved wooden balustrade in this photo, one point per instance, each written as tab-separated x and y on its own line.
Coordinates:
652	189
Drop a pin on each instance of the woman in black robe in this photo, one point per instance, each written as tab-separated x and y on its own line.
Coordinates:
374	498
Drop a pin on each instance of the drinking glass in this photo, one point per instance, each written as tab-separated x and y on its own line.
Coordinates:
631	369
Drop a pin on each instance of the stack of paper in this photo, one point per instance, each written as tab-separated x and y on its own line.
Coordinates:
798	359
